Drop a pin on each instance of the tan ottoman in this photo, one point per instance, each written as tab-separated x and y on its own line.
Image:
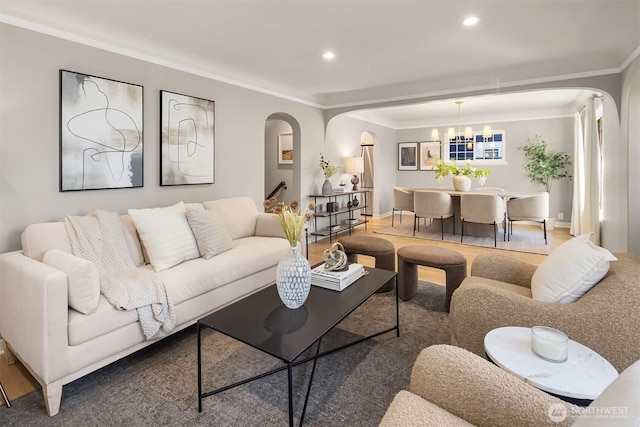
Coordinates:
409	257
381	250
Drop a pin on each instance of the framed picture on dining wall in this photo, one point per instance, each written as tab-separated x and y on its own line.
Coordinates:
187	141
285	149
429	154
101	130
408	156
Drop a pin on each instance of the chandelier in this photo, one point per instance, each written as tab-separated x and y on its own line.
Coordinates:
467	136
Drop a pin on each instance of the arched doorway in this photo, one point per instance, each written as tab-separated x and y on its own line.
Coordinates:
282	157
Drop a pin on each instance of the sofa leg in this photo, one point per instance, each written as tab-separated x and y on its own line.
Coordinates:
11	357
52	397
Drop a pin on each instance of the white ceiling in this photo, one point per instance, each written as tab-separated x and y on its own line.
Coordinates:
384	48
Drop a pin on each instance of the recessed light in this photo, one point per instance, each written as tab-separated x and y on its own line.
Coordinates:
470	21
329	55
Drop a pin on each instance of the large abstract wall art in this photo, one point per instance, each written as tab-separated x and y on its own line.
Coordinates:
101	129
187	140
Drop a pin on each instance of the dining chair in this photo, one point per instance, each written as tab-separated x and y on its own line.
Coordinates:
532	207
483	209
433	204
402	201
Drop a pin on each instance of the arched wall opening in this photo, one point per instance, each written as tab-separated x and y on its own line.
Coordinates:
282	157
556	127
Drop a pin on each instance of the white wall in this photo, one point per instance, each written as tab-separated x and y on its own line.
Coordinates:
343	140
29	133
558	133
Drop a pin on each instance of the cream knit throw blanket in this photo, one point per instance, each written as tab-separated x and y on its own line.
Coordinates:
99	237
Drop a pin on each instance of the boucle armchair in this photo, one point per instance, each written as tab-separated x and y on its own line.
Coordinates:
453	387
498	293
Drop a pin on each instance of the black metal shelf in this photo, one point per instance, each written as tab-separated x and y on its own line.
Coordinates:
335	227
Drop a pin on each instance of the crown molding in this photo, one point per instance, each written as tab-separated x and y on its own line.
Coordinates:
28	25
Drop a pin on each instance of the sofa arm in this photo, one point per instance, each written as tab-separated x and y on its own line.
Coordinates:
503	268
479	392
34	314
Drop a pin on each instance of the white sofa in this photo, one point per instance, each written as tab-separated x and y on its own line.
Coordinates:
59	344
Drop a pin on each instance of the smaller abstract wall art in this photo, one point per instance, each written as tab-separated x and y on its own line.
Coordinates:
285	149
187	139
101	133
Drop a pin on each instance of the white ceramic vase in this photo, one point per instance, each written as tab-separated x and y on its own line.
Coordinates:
461	183
293	279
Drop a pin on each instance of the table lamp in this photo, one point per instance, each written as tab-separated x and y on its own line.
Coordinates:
355	166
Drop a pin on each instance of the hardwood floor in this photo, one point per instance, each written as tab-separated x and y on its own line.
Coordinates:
17	381
560	235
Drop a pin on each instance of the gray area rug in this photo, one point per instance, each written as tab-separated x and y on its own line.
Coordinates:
520	241
158	385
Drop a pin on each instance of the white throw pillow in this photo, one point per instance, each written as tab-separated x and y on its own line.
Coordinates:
166	235
238	213
83	281
211	234
570	271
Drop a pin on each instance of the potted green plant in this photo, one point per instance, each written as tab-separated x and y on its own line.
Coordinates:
461	175
543	167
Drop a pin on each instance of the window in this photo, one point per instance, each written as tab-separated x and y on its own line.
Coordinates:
477	148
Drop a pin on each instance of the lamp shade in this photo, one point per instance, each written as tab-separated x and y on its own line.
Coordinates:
486	132
435	136
468	132
355	165
451	133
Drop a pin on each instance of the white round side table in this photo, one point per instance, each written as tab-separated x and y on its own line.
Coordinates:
583	376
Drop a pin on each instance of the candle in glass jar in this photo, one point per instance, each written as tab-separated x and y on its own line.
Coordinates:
549	343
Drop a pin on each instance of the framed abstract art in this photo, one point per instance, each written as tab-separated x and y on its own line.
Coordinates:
429	154
187	141
285	149
101	133
408	156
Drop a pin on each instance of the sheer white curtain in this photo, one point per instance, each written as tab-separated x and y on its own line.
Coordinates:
585	212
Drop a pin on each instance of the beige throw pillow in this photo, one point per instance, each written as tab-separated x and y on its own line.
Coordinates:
570	271
166	235
210	231
83	281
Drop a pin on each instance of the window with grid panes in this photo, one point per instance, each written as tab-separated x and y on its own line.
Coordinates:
477	148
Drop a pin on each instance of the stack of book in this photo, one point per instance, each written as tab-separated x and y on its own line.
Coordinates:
336	280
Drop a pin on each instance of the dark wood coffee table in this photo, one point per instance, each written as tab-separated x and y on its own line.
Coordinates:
262	321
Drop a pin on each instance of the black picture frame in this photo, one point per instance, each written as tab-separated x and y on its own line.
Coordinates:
408	156
101	133
187	139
